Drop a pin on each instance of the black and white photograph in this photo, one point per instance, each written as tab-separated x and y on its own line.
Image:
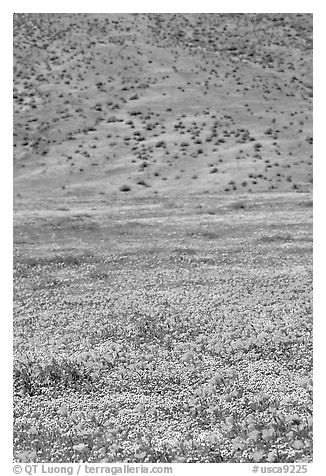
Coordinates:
162	241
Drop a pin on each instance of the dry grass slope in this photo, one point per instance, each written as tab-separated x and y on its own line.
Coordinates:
216	103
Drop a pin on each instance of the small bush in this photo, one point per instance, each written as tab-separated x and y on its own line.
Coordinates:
125	188
160	143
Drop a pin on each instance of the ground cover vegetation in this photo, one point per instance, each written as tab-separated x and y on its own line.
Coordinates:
162	238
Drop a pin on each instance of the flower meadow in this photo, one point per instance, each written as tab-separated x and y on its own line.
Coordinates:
163	330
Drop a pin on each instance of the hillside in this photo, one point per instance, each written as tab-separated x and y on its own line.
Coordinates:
162	103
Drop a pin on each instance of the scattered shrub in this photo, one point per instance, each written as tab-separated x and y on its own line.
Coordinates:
124	188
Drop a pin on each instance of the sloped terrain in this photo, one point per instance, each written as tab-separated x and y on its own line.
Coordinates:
162	103
163	238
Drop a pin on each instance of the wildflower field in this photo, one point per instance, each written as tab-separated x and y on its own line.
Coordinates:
171	329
